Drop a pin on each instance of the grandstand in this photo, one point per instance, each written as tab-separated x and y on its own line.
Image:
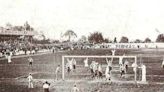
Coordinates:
12	34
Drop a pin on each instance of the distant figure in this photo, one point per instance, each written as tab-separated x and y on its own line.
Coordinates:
109	63
46	86
75	88
30	81
120	61
138	46
134	65
122	70
30	61
74	64
57	71
53	49
68	67
107	74
9	58
113	52
33	51
143	67
95	69
91	68
162	64
100	72
126	63
86	62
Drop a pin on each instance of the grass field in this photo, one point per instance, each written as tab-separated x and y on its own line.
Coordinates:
13	76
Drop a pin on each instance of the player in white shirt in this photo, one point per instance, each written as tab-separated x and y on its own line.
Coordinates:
109	63
57	71
30	61
134	65
86	62
107	74
120	61
143	67
33	51
69	65
9	58
30	81
46	86
100	72
113	52
75	88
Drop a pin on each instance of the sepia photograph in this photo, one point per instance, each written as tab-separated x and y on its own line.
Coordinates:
81	45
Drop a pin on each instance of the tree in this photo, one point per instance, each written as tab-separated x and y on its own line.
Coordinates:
124	39
70	34
147	40
106	40
96	37
115	40
160	38
138	41
83	38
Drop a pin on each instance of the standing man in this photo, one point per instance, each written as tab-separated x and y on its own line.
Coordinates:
143	67
86	62
57	71
100	72
9	58
126	63
30	81
30	61
120	61
74	64
109	63
91	68
122	70
107	74
134	65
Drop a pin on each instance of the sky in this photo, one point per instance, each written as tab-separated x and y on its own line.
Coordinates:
136	19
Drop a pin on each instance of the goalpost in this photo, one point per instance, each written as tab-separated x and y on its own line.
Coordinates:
96	56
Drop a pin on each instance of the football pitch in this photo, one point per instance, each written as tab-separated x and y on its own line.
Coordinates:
13	77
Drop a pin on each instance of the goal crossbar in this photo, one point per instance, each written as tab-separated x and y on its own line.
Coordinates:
95	56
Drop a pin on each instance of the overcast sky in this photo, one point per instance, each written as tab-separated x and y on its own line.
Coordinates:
114	18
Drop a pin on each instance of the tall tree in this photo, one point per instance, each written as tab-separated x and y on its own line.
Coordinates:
124	39
160	38
70	34
96	37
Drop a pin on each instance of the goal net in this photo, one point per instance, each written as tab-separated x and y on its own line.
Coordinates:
82	71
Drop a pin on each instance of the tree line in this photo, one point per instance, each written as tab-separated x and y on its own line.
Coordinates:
97	37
